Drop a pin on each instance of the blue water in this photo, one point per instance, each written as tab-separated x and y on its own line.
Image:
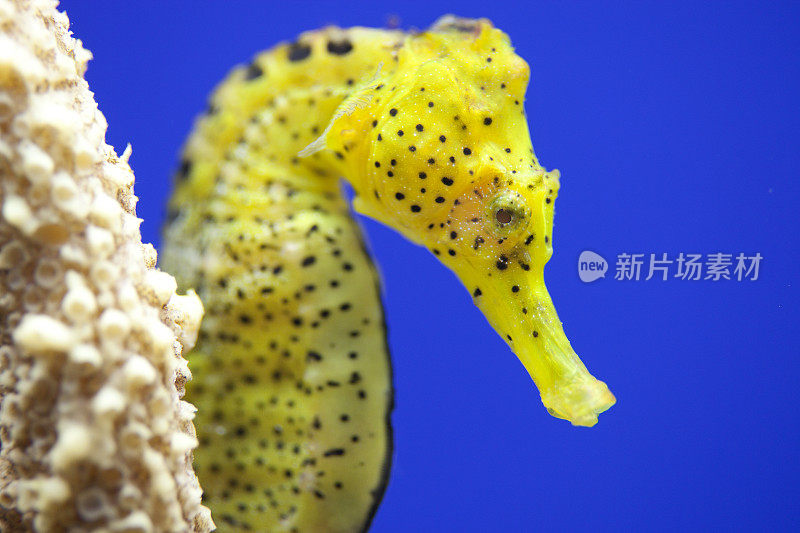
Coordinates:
675	127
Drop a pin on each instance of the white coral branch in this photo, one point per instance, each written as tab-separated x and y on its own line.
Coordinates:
94	433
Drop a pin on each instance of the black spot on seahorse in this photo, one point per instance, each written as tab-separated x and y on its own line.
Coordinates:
183	170
172	215
333	452
340	48
298	51
253	71
463	25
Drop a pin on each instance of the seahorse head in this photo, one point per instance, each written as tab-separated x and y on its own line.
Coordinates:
437	146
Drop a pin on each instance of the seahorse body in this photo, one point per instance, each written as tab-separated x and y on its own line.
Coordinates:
291	372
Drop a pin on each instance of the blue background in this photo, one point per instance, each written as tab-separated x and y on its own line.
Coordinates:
675	127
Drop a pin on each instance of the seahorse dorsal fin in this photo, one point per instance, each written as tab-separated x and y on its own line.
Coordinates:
358	99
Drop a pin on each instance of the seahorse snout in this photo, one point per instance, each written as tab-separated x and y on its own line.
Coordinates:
518	306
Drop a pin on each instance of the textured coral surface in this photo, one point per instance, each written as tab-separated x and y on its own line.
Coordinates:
94	433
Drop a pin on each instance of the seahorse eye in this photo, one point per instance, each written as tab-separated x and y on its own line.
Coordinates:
503	216
507	213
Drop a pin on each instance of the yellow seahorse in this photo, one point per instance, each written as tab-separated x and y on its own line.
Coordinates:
291	372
